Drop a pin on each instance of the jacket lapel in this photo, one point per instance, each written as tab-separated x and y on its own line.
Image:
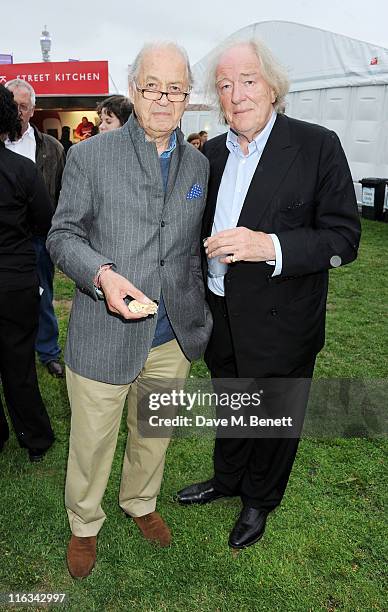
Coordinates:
147	156
274	163
175	162
217	159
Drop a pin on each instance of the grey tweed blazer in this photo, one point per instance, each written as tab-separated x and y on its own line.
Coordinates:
113	208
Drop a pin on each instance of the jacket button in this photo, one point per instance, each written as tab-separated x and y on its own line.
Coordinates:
162	262
274	312
162	224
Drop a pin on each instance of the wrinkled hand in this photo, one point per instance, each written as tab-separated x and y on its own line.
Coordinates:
242	243
116	288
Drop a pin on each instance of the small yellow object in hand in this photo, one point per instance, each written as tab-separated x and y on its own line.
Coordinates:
149	309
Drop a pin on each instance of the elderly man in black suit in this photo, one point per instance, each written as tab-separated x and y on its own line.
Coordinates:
281	211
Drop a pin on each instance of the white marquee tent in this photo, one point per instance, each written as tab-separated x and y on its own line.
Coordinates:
336	81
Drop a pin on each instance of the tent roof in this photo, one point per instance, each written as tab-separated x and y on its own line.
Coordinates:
314	58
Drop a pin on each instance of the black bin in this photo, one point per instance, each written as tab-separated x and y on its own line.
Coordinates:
373	195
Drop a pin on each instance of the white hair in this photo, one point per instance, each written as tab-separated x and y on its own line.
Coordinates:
135	67
272	72
11	85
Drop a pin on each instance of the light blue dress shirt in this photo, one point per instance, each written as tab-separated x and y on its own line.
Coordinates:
237	177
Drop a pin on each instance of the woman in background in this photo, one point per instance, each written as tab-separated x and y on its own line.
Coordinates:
25	210
113	112
195	140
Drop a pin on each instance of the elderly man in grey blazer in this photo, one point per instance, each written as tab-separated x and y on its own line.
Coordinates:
128	225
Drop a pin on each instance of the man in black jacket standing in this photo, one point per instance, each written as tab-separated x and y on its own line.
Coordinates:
49	156
281	211
25	208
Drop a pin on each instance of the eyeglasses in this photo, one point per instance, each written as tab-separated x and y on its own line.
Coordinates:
23	108
152	94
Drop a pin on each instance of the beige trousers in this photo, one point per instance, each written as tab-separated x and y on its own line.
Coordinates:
96	411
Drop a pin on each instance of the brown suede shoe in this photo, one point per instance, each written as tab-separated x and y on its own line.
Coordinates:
81	556
154	528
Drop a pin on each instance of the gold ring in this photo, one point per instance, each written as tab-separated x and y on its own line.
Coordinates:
233	259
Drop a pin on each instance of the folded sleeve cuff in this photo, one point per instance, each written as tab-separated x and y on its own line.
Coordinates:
278	263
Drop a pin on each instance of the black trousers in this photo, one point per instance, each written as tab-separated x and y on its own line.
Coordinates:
19	315
256	469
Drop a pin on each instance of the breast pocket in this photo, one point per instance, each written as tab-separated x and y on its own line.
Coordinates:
297	214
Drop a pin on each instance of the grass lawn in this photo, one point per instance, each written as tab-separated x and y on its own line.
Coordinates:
323	549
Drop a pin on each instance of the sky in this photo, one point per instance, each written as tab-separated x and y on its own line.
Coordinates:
116	30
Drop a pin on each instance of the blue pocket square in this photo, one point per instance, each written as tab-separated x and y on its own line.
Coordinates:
195	192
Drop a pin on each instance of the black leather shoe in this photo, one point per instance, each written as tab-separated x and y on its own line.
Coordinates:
199	493
55	368
249	527
36	454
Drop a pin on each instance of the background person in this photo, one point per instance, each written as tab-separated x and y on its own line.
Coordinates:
195	140
113	112
49	156
65	138
281	211
203	136
84	129
25	208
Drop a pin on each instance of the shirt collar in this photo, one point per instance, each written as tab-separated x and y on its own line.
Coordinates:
257	145
171	146
29	133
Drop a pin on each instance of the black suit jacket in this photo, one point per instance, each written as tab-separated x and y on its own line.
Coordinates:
302	190
25	209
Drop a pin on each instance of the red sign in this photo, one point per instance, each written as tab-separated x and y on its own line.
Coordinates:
60	78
